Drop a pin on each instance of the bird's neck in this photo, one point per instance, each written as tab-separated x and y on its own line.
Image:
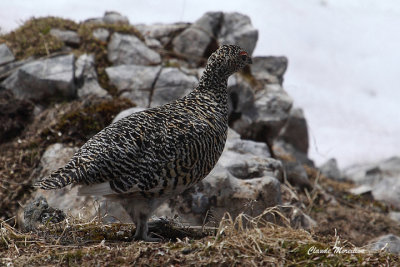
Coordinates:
213	84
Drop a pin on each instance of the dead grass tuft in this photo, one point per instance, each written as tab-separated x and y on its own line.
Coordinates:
243	241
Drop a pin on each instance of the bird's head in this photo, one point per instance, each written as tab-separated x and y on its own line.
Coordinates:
228	59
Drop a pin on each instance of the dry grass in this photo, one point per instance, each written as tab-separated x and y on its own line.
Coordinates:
243	241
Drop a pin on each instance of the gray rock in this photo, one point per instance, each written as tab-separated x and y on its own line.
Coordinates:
237	29
247	159
39	212
112	17
86	77
55	156
94	21
388	191
272	108
218	27
152	43
220	192
8	68
298	219
361	190
269	69
44	80
241	103
296	174
6	55
134	82
288	153
372	173
128	49
295	130
395	216
68	37
210	23
192	42
161	32
382	178
101	34
389	243
170	85
195	40
331	170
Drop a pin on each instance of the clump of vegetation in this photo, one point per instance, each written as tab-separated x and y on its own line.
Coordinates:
86	119
243	241
33	38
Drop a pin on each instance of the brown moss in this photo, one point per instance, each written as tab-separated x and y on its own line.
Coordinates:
33	38
84	120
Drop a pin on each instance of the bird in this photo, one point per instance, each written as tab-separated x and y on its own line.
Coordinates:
153	155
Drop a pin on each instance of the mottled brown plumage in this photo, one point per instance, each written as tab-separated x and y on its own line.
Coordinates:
150	156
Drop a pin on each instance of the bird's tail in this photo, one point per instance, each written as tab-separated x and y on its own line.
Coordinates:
58	179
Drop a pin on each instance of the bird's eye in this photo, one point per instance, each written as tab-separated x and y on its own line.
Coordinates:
243	55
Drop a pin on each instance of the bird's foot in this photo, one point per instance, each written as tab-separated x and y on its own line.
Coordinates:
147	238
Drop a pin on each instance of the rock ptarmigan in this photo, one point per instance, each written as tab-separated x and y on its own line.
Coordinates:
151	156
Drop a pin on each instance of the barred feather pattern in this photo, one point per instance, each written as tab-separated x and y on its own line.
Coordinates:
162	148
150	156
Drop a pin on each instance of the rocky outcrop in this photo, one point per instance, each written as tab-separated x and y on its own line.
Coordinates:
269	69
129	49
213	29
389	243
161	34
195	40
86	78
110	17
156	64
331	170
44	80
381	179
236	28
6	55
68	37
171	84
134	82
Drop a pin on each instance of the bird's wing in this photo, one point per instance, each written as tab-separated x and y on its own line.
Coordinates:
124	159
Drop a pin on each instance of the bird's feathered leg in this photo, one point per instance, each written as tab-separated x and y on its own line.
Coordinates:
140	210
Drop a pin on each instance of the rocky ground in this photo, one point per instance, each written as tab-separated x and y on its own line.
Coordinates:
265	201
